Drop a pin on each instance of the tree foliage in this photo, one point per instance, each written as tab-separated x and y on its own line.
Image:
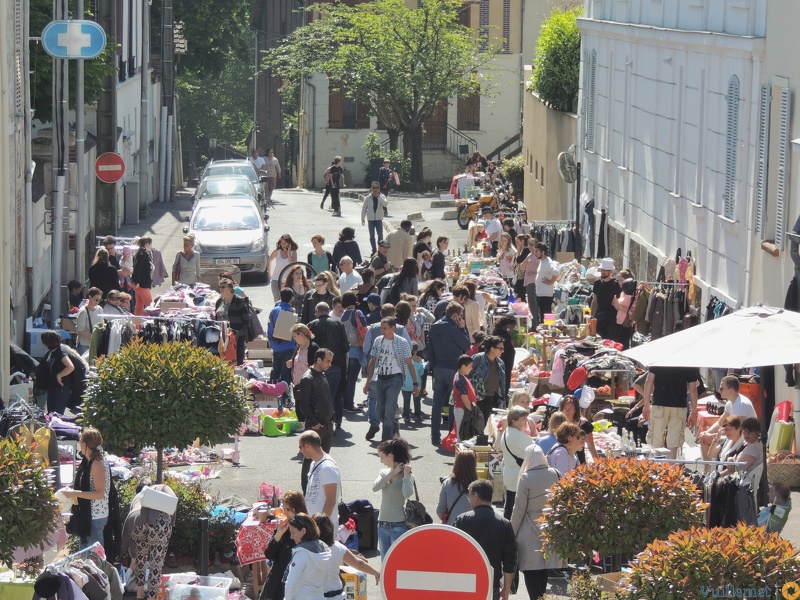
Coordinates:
164	395
403	62
28	510
41	13
556	68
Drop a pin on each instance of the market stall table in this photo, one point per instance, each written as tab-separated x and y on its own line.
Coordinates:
705	420
251	541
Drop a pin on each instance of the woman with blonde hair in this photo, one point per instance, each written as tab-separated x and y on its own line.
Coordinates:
304	352
333	282
92	485
453	500
506	253
186	267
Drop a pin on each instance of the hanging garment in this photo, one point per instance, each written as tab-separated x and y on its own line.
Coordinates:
601	239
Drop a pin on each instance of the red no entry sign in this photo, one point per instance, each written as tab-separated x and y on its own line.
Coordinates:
109	167
436	562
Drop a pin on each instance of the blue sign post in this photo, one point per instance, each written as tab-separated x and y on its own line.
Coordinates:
73	39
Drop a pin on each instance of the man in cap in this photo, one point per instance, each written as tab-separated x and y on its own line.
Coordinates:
604	291
380	260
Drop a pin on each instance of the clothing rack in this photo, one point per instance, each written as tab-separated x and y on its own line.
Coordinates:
552	222
710	463
93	549
120	241
662	283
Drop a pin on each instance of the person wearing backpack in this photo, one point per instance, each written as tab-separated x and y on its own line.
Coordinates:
355	325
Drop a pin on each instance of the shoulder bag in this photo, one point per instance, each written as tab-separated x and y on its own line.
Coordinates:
514	456
415	512
446	515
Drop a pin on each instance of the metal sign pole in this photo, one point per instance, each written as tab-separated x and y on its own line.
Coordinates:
80	230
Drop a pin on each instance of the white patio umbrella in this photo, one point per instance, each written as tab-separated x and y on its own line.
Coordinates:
758	336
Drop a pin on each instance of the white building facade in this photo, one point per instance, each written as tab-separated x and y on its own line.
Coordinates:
668	133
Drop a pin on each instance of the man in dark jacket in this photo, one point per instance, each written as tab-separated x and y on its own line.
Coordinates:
331	334
314	402
448	340
493	533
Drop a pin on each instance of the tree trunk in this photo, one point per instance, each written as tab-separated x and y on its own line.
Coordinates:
414	135
159	464
394	136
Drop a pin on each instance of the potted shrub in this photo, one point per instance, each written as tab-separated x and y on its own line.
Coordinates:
164	395
617	506
28	511
717	562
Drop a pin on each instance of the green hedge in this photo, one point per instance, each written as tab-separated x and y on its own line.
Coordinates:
556	68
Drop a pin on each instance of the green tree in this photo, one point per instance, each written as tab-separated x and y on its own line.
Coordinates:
28	510
403	62
556	69
41	13
164	395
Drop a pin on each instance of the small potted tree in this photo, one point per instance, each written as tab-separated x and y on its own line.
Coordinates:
718	562
28	511
164	395
617	506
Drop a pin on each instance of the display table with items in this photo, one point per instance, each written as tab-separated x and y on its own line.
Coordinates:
254	535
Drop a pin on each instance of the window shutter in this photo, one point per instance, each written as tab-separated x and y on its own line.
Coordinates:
362	116
731	148
584	104
590	124
335	108
763	158
783	143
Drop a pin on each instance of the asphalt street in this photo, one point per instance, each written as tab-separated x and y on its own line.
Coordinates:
277	460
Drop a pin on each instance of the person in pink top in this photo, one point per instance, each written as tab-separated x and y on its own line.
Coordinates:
624	328
464	397
531	271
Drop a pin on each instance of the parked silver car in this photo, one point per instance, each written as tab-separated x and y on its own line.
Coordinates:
236	167
231	231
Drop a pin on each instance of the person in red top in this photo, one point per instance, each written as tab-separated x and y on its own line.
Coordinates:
463	393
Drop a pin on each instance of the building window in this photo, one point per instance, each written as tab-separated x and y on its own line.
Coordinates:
731	148
469	112
344	113
762	168
590	109
483	24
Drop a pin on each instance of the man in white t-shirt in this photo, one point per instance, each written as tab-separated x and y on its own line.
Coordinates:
493	228
258	162
736	405
546	277
349	277
389	357
324	487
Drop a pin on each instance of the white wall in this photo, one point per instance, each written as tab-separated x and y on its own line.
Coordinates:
658	159
501	113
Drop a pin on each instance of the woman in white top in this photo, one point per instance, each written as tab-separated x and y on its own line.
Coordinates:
310	559
285	252
186	268
513	442
89	315
569	440
506	253
340	555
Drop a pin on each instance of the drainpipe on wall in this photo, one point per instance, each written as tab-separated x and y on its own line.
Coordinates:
29	164
754	89
312	117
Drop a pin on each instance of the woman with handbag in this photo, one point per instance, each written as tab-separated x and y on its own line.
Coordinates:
142	275
186	268
146	535
535	479
512	443
395	483
92	483
453	500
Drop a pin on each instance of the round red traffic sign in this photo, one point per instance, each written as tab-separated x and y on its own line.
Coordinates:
436	562
109	167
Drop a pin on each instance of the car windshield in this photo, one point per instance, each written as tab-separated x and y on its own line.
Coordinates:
225	218
233	170
224	186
